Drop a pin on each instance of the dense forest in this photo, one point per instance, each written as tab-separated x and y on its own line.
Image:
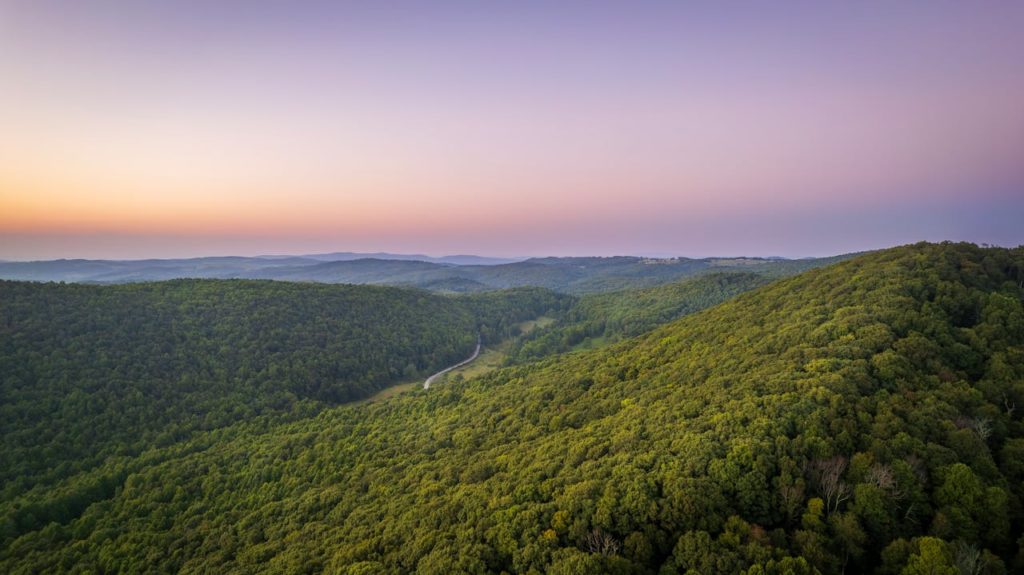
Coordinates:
609	317
93	372
861	417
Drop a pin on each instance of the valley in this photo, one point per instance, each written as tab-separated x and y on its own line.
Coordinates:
854	417
511	288
461	365
497	355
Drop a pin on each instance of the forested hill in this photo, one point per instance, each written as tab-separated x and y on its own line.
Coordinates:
563	274
864	417
608	317
90	372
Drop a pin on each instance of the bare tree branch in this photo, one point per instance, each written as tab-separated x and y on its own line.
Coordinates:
598	541
827	476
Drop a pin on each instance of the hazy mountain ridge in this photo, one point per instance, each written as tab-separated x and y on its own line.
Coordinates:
451	273
459	259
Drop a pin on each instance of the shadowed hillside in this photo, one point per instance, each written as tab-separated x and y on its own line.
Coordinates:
91	372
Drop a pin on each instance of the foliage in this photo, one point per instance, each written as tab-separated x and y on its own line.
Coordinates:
823	423
617	315
92	372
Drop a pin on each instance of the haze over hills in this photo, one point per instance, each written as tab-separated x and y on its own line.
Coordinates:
449	273
224	267
456	259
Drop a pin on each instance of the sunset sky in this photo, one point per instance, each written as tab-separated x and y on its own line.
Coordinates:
163	129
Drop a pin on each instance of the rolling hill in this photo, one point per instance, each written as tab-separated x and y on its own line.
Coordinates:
856	418
449	274
608	317
94	372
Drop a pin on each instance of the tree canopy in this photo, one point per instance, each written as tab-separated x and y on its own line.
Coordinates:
857	418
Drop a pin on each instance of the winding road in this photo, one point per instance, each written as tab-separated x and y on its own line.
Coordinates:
426	384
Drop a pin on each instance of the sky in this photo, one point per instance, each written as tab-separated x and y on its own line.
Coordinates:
169	129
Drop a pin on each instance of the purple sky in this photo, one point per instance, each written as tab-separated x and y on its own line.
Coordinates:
136	129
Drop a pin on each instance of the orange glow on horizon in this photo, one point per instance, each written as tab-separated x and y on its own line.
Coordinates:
438	127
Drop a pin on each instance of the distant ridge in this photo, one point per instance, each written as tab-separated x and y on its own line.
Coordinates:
456	273
460	259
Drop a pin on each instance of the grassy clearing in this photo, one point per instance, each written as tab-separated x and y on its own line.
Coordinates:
491	358
391	391
494	356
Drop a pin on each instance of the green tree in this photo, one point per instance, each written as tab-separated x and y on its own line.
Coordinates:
932	558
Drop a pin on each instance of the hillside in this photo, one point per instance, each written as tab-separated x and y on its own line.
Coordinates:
608	317
91	372
856	418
